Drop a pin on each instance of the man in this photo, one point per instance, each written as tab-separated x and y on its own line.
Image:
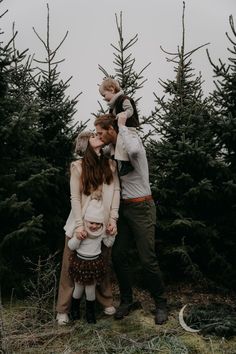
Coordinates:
137	219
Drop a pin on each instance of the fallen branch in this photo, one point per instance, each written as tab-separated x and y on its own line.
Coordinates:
34	338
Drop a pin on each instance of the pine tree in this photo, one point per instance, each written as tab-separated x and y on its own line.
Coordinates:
224	101
186	173
21	226
129	78
36	132
57	128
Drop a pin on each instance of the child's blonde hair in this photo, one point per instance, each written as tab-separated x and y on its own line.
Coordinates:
108	84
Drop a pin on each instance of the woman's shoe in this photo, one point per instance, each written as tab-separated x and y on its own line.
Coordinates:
62	319
109	310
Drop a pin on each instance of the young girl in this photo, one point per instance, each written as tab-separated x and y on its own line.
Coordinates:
89	173
87	267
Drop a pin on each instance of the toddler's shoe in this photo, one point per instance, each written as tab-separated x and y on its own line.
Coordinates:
62	319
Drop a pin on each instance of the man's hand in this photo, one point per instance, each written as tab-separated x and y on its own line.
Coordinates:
121	118
80	233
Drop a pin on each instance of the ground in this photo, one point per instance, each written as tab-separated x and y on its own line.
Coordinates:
29	329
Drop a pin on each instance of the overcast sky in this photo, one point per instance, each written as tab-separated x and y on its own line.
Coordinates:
92	28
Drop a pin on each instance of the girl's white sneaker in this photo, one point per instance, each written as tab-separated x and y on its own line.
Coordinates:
62	319
109	310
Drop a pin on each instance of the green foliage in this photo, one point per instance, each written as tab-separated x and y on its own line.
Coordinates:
57	130
217	319
189	178
36	134
21	225
129	78
224	99
224	103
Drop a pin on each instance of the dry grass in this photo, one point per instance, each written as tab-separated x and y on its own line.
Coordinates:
24	332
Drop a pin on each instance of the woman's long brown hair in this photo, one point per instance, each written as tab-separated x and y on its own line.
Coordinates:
95	171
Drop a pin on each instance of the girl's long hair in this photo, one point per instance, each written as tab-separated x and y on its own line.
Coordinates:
95	171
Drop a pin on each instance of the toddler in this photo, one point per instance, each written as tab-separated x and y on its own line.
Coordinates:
120	105
87	267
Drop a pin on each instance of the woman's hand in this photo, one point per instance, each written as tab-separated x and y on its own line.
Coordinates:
80	233
111	228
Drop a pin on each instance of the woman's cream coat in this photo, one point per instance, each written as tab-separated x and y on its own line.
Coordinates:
79	201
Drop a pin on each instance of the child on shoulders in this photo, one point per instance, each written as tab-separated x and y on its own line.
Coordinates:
121	106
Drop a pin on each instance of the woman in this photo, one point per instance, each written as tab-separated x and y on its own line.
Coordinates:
91	172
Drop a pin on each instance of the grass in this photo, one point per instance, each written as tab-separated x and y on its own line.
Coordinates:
27	330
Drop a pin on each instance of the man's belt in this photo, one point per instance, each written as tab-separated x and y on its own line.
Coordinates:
137	200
